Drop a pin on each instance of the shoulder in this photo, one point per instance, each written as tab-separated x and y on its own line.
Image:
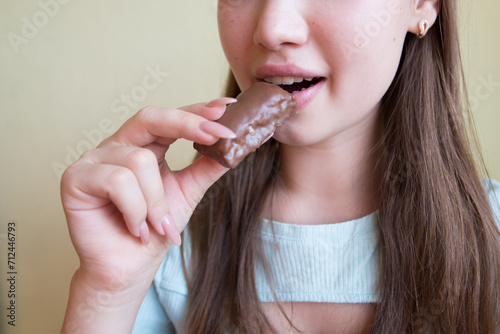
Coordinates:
492	188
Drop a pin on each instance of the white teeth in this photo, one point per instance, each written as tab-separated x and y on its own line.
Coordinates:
286	80
296	91
274	80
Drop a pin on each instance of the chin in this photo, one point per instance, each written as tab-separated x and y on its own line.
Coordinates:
294	136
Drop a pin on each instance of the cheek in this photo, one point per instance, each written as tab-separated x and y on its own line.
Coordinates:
227	26
236	36
378	28
367	53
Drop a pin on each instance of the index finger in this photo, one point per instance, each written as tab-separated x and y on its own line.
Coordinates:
212	110
153	123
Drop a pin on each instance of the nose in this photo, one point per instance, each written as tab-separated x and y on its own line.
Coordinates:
280	23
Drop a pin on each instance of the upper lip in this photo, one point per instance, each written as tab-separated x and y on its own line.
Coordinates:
283	70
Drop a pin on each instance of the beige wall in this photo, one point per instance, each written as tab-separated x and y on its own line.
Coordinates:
61	89
66	81
481	55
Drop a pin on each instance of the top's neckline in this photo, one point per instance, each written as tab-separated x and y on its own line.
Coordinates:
353	229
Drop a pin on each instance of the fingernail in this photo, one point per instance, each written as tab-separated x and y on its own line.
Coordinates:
144	233
216	129
171	230
221	101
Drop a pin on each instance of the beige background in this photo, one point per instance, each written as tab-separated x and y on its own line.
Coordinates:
61	90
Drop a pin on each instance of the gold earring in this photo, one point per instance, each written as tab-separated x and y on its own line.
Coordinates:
424	27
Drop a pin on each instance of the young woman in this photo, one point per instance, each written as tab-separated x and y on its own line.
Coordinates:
365	212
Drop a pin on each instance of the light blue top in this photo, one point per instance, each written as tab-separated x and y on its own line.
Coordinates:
336	263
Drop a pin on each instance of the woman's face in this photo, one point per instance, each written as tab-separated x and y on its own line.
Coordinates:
341	55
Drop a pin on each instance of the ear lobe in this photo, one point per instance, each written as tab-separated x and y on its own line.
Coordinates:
426	10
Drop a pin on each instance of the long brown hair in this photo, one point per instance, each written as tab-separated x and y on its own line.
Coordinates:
440	248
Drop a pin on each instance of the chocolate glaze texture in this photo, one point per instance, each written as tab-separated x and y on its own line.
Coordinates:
253	118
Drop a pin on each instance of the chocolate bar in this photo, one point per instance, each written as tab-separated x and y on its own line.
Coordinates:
253	118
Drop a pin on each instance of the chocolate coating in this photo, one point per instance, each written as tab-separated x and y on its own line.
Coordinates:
253	118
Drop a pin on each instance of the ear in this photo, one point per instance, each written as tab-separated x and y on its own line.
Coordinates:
424	10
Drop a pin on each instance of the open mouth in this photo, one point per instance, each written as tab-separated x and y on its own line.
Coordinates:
294	84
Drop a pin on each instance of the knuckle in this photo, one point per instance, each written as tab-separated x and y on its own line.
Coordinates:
105	142
68	176
145	112
196	196
120	177
184	118
158	206
188	122
187	119
87	155
138	211
140	159
73	172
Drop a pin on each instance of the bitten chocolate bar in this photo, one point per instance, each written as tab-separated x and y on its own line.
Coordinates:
253	118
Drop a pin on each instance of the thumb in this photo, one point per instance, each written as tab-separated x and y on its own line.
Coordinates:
198	177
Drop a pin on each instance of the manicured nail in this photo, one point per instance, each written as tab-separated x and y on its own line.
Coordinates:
171	230
216	129
220	102
144	233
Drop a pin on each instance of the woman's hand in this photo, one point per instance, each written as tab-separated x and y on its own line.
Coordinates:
123	204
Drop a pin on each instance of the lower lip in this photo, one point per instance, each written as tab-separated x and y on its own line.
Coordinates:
305	96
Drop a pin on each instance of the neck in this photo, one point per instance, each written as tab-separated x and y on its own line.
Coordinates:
329	182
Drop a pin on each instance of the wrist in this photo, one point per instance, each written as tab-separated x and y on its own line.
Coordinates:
95	310
116	278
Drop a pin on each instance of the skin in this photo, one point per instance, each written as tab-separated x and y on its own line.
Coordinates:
329	171
333	134
116	196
